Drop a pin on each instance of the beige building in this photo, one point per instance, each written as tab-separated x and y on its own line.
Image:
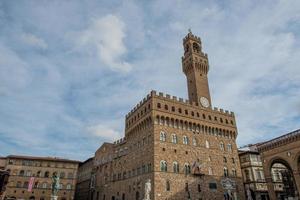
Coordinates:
174	148
31	177
253	174
84	186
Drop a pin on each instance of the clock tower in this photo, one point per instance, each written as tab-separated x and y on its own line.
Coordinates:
195	67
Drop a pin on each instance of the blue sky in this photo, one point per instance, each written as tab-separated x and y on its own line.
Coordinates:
71	70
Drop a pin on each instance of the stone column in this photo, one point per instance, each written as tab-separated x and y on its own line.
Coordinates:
297	181
270	185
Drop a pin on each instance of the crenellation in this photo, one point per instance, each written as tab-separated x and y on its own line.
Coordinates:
153	93
192	104
119	141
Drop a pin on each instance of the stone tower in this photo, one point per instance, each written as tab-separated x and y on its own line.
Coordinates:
195	66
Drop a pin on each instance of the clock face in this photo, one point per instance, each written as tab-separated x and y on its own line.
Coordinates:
204	102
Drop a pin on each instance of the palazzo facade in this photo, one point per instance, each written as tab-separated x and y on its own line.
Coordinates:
174	148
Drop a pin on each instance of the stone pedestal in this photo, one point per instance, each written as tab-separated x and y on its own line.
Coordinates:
54	197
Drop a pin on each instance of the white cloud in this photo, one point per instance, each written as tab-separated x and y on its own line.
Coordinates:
104	132
107	35
33	40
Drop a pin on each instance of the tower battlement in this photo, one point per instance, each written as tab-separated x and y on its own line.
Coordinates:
191	36
184	102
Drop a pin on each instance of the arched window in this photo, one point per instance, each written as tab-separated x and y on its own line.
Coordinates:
174	138
196	47
187	168
222	146
44	185
207	144
225	171
175	167
233	171
22	173
62	175
168	185
69	186
28	173
19	184
185	140
229	147
163	136
54	174
210	172
166	107
38	174
163	166
36	184
149	167
233	160
46	174
194	142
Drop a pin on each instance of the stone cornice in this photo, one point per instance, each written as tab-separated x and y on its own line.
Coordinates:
279	141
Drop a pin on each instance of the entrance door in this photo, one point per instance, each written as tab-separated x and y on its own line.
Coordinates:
137	196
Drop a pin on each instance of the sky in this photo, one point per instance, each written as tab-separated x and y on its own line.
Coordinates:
72	70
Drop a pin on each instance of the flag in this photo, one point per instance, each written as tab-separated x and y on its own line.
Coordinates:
30	185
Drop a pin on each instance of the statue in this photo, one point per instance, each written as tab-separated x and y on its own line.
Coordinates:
248	192
55	186
147	190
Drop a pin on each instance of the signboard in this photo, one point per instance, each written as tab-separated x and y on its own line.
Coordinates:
30	185
228	184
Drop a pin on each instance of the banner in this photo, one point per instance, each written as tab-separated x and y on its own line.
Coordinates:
30	185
